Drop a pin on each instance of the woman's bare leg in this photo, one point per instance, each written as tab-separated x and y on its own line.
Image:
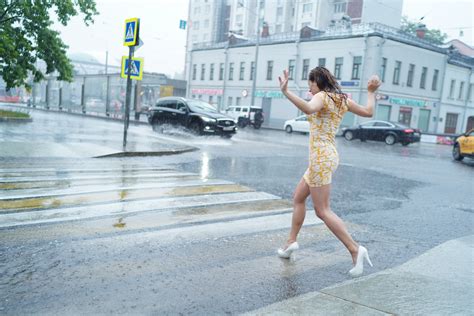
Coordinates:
299	210
320	196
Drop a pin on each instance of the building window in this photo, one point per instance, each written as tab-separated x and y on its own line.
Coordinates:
278	28
229	101
469	93
307	7
239	18
206	24
461	91
322	62
211	72
304	75
203	71
242	71
424	72
252	70
279	11
411	73
196	25
396	72
208	9
210	99
269	69
340	7
194	71
451	88
237	101
434	85
451	123
338	67
382	69
356	67
221	71
197	10
231	71
291	69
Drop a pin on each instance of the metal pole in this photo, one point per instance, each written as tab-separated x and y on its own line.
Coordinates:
226	52
107	98
106	61
254	82
128	96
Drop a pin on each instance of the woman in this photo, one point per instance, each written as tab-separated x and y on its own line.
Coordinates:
325	111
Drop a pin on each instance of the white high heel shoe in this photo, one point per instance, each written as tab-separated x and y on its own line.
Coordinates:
288	251
358	268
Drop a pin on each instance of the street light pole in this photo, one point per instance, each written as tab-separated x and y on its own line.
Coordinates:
254	82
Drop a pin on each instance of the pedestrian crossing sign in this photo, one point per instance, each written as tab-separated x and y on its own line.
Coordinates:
131	32
136	68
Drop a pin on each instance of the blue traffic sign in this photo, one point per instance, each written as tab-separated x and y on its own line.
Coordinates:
131	32
182	24
136	68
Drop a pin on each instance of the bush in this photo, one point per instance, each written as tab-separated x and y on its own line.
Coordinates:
5	113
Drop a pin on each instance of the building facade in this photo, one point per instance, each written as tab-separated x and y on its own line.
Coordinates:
424	86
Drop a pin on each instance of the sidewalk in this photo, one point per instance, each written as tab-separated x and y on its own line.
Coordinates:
79	135
439	282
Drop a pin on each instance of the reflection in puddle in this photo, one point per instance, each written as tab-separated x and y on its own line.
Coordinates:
120	223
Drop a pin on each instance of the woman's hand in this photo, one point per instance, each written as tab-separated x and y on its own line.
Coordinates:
284	81
373	84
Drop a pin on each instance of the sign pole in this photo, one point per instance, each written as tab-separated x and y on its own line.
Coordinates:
128	96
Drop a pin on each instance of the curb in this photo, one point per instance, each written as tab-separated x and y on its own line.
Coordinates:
16	120
148	153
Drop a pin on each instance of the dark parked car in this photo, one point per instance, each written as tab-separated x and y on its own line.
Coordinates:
196	115
388	132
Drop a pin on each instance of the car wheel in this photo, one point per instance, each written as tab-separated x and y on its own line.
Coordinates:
348	135
157	127
257	125
288	129
196	128
457	153
390	139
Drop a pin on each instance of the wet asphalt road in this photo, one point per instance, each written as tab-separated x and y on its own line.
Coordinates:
182	259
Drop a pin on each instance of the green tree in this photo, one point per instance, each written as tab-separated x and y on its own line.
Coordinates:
26	36
435	36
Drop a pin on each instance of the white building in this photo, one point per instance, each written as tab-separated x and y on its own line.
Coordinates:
425	86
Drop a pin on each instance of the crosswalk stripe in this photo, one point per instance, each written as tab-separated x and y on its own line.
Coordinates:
111	196
69	183
106	188
122	208
135	222
13	172
118	176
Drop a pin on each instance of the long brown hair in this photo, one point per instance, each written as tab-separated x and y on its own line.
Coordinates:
326	81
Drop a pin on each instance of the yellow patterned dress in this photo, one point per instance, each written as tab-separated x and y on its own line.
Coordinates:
323	157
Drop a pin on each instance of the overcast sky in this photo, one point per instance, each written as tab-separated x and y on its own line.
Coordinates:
164	49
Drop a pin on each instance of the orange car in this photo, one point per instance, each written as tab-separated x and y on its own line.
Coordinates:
464	146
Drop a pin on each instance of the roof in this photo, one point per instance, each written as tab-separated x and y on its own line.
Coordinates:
339	32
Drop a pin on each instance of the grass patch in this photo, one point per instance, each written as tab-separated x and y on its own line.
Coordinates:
4	113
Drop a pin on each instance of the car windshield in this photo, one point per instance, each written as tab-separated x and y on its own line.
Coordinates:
197	105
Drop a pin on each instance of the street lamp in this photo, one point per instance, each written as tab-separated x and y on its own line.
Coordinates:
254	75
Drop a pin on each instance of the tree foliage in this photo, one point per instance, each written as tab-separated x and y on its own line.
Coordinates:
26	36
435	36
